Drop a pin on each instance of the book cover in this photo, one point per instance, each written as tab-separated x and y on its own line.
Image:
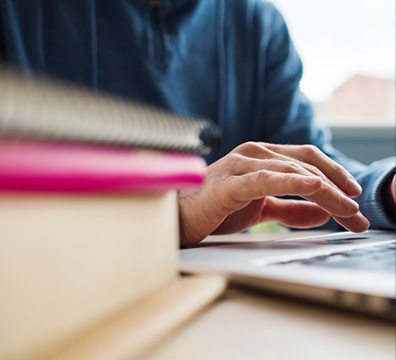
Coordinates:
54	167
68	262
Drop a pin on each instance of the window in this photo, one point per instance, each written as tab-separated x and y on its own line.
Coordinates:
348	51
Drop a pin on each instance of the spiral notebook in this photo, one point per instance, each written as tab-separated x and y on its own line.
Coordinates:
37	107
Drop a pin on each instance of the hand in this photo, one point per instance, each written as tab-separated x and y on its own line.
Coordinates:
393	189
240	188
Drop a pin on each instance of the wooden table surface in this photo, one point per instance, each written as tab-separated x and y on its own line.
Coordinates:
249	324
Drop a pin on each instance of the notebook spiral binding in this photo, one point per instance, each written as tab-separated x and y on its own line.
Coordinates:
46	109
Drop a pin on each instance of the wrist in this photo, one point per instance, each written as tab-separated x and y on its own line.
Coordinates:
388	196
189	224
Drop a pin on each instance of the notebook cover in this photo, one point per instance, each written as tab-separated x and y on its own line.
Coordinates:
42	166
38	107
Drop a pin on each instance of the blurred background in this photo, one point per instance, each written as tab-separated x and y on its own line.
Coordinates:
348	51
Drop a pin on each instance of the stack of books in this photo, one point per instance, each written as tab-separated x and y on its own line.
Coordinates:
89	221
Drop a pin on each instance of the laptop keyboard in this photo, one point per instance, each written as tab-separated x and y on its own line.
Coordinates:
380	257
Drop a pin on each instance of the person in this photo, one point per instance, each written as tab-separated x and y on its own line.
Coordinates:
229	60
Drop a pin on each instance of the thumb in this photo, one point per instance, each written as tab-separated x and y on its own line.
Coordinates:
294	213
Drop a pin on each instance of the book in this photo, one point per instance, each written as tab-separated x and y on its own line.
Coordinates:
37	107
89	222
63	167
68	262
71	263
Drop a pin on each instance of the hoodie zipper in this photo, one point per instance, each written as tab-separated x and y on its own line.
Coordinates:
158	46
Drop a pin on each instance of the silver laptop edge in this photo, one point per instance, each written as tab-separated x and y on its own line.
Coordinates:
269	265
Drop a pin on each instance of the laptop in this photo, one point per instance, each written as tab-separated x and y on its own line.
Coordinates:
354	271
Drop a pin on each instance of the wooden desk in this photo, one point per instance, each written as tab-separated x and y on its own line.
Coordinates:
247	324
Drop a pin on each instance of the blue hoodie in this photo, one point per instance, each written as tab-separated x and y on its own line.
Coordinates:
229	60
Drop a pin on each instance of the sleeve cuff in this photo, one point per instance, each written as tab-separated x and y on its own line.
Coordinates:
372	181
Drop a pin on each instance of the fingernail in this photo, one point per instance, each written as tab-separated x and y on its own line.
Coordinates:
349	204
353	185
361	221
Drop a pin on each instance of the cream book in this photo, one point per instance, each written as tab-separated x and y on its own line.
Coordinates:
77	268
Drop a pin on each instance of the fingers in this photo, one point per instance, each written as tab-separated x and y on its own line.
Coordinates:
337	184
284	164
295	213
311	155
303	214
333	201
256	185
264	183
261	183
244	183
357	223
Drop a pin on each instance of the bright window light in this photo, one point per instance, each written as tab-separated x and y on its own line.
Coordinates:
348	52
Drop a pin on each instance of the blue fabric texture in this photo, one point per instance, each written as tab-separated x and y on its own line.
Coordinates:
229	60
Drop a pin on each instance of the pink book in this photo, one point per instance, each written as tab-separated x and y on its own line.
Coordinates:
61	167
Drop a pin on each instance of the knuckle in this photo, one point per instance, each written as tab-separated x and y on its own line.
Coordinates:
249	186
314	170
252	149
293	167
248	146
311	150
234	156
260	177
292	185
287	180
258	182
233	159
337	169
